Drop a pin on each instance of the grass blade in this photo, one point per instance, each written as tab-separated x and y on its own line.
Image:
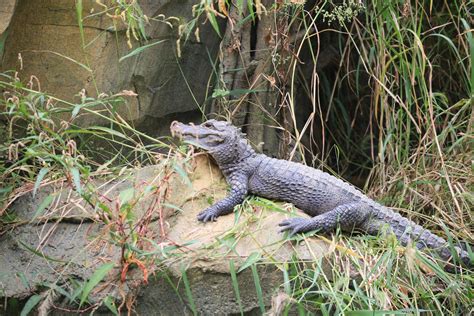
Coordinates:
98	276
40	177
258	288
213	20
251	260
76	177
30	304
187	289
235	285
38	253
109	302
139	50
44	204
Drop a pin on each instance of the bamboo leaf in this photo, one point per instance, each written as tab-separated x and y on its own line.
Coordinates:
126	195
187	289
235	285
258	288
252	259
40	177
98	276
30	304
382	312
180	171
240	6
139	50
79	19
38	253
43	205
108	131
76	177
215	25
109	302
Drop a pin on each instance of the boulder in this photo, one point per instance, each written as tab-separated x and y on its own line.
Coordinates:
189	263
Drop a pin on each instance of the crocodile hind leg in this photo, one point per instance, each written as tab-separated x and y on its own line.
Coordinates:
348	216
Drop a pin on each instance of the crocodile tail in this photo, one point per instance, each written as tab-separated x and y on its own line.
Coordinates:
408	231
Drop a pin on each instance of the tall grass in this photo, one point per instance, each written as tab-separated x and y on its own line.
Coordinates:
394	106
42	139
394	109
420	63
410	66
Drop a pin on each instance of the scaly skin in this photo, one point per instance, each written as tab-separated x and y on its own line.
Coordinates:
330	201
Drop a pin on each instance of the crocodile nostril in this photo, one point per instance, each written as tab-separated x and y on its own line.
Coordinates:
174	128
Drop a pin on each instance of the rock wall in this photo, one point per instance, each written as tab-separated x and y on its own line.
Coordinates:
6	12
47	36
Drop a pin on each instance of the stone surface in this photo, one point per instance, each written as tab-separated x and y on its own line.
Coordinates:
79	246
47	36
6	11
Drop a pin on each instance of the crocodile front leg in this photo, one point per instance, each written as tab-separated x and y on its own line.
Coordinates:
238	191
347	216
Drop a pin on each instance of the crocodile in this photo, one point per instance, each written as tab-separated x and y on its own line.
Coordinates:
331	202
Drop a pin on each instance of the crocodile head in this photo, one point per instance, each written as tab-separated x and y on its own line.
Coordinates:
222	140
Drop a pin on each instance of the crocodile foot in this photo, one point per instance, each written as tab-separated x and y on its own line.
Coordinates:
208	215
296	225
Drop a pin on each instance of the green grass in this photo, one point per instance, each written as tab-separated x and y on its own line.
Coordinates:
387	278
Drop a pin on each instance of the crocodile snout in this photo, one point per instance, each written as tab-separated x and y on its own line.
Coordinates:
174	128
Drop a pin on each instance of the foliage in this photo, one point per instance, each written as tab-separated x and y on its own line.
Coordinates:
391	279
45	144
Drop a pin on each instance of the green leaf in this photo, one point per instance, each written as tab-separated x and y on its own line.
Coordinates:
379	312
173	207
30	304
180	171
24	279
215	25
240	92
235	285
76	110
40	177
108	131
251	10
44	204
187	289
79	18
126	195
76	177
98	276
220	93
240	6
38	253
109	302
258	288
253	258
58	289
139	50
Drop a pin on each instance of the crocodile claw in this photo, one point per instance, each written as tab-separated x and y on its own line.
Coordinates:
208	215
294	225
